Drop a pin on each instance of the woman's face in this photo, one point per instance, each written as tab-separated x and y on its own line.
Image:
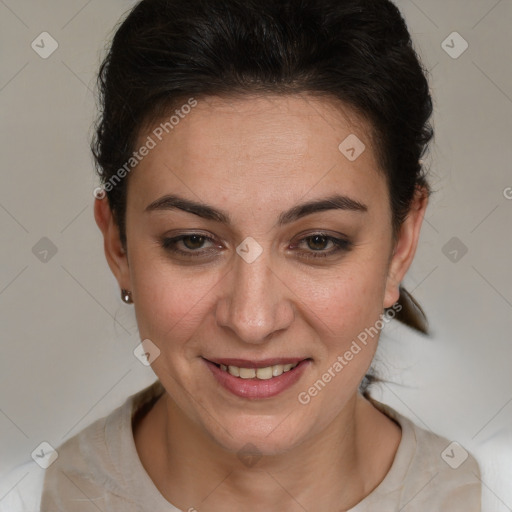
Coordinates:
264	280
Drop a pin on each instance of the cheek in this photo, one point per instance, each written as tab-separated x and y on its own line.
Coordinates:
169	302
345	309
344	300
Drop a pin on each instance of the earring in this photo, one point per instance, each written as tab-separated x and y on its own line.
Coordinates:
126	295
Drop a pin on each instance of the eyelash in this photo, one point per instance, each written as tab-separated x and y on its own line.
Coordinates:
340	244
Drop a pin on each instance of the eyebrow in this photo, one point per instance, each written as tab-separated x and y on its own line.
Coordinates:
333	202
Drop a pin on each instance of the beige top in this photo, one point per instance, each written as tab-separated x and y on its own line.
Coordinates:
99	469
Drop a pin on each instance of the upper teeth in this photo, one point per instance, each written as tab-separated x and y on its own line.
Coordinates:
261	373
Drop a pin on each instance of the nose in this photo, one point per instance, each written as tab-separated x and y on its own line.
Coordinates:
256	303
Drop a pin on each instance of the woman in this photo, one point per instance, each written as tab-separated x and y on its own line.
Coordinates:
264	199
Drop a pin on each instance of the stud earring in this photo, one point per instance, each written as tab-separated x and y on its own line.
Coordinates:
126	296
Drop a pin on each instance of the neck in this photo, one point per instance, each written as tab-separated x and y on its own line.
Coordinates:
332	470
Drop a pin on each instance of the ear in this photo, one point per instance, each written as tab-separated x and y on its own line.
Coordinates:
405	246
116	255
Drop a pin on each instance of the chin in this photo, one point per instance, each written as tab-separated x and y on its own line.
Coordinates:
263	435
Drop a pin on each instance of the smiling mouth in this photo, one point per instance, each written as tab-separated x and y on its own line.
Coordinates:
258	372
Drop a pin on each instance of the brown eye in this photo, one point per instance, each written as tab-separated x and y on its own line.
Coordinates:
193	241
317	242
320	245
191	245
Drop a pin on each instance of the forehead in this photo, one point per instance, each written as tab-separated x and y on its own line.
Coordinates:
279	146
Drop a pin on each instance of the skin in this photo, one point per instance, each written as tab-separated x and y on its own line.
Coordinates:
254	157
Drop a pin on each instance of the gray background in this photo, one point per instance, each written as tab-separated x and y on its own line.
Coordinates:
67	339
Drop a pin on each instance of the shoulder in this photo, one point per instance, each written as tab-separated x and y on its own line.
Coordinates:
96	462
27	487
453	473
429	472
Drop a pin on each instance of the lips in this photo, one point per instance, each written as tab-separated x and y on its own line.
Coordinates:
253	380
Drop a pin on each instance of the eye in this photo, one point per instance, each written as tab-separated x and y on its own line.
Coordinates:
317	242
193	241
321	245
191	245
